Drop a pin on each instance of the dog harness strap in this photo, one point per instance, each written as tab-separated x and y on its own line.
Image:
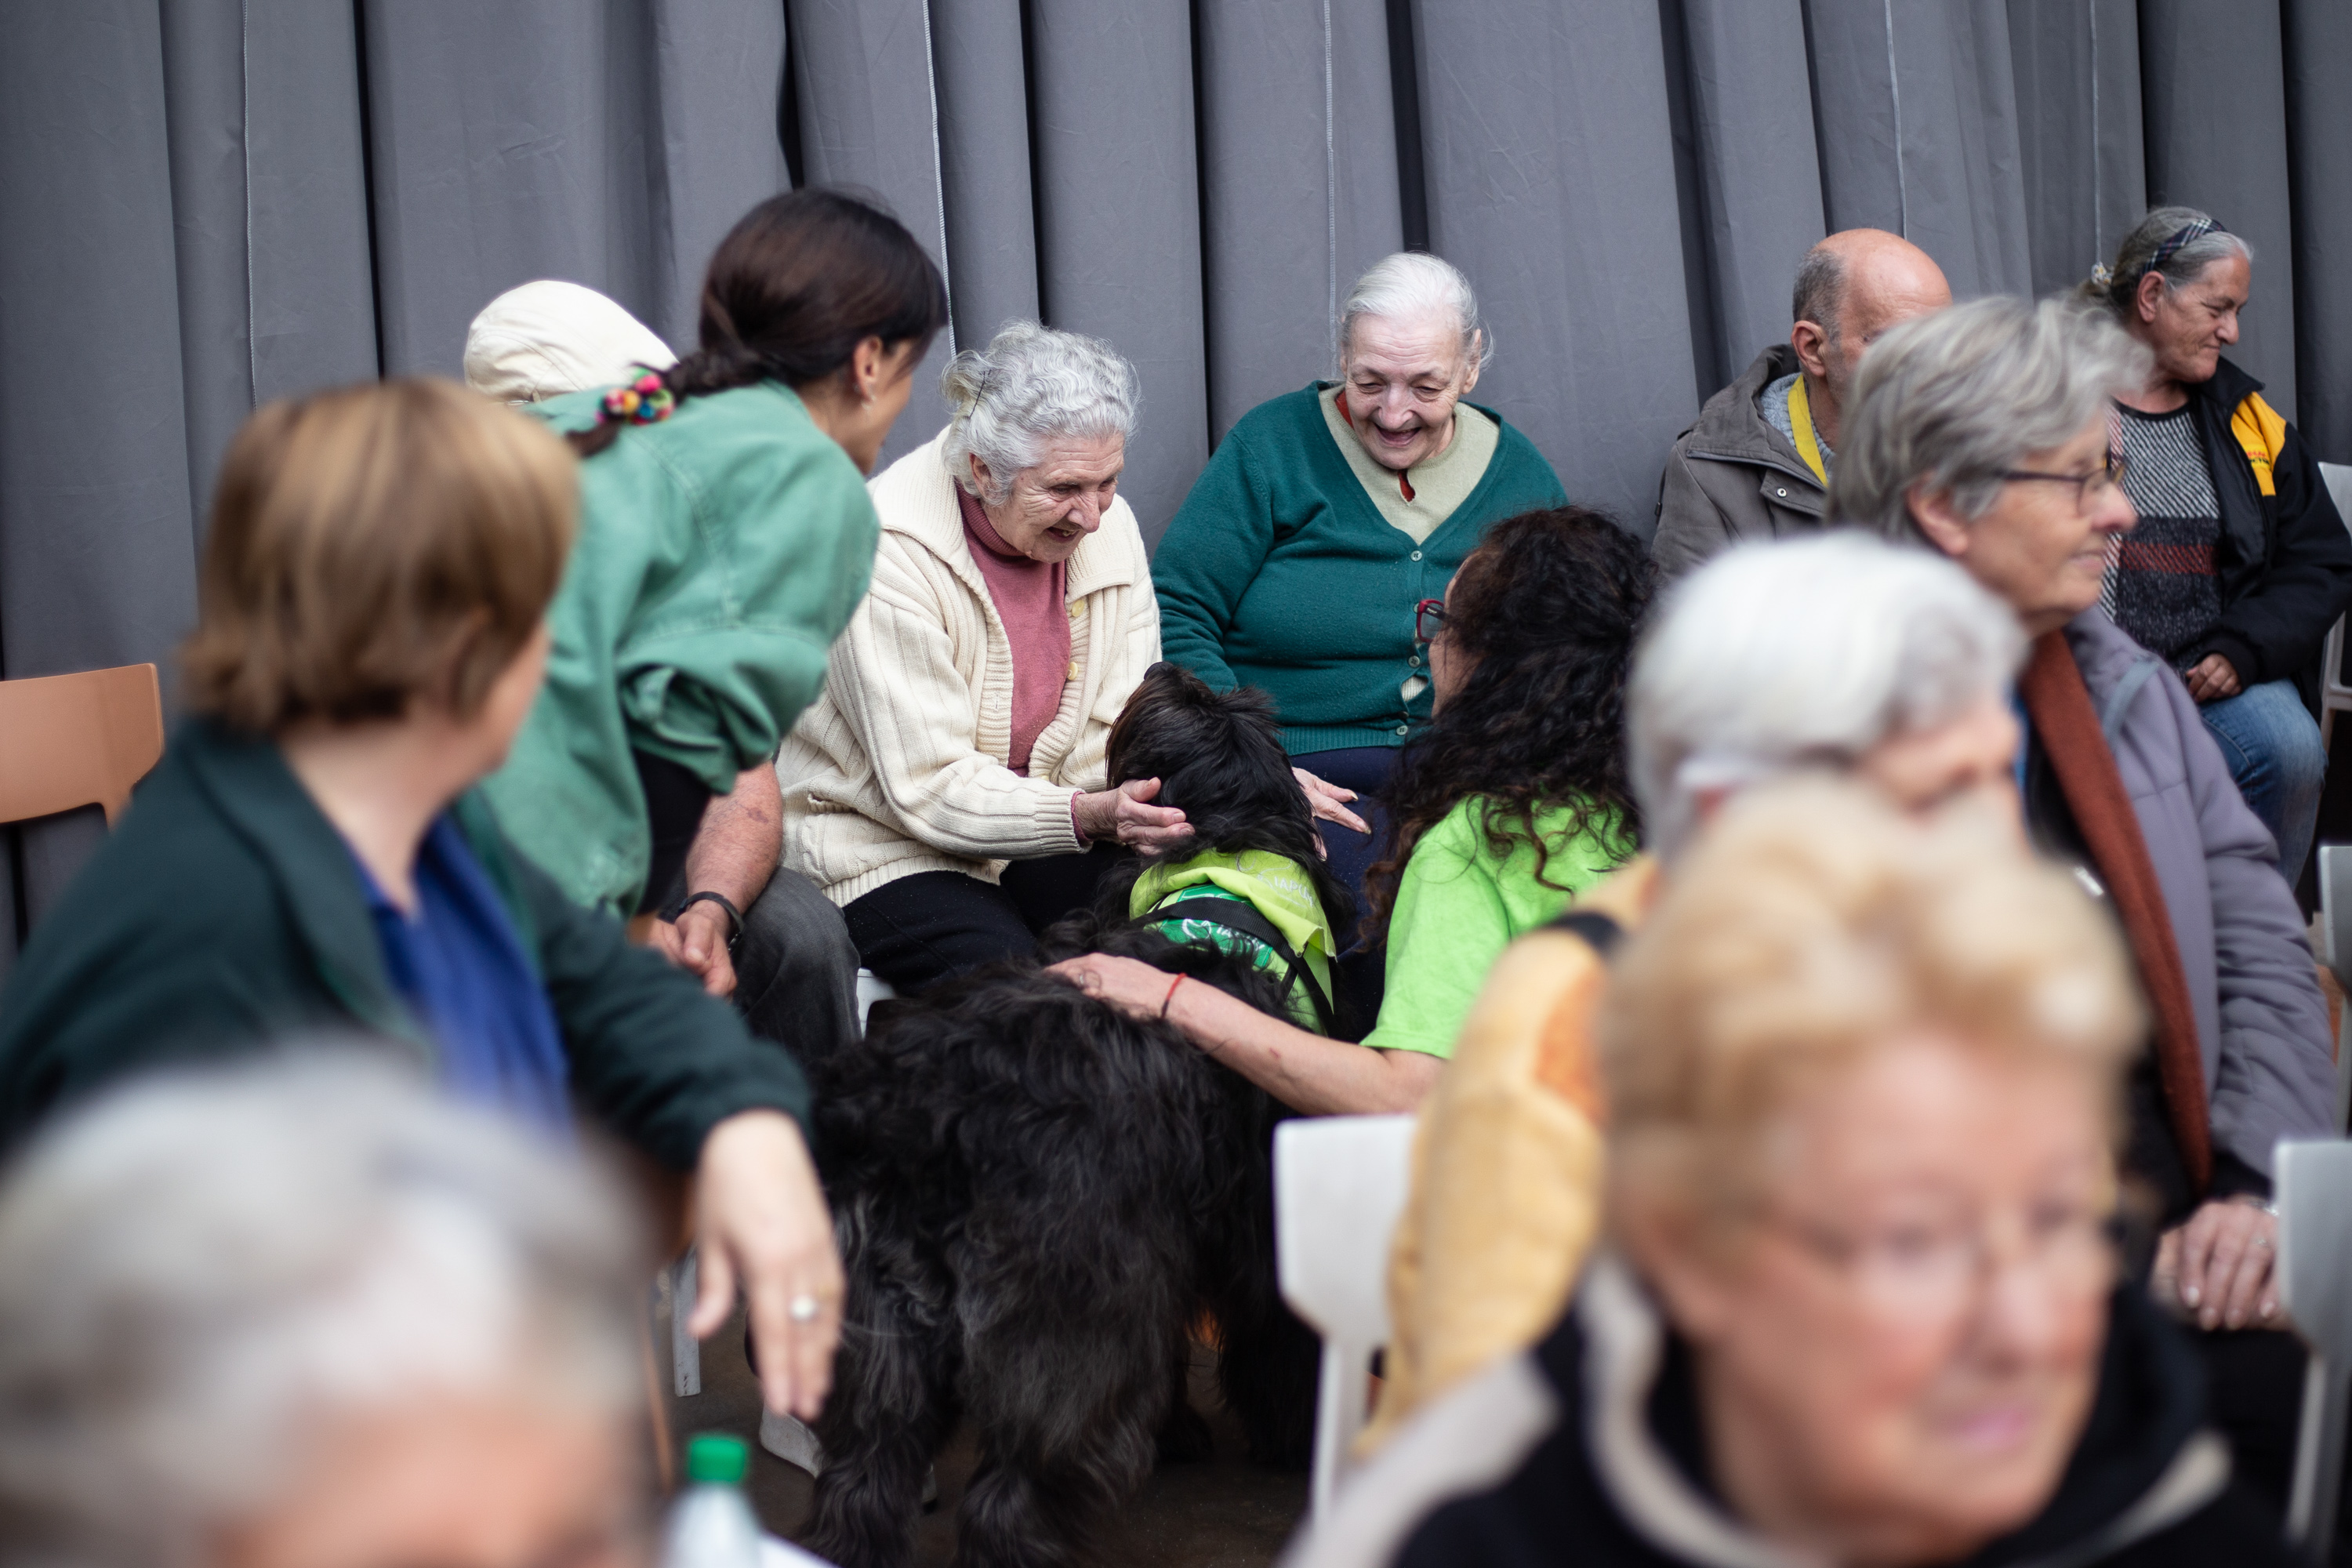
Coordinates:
1599	931
1241	915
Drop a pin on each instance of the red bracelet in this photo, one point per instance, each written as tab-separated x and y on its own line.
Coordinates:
1164	1001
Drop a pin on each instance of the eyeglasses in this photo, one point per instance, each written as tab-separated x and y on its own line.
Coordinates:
1935	1270
1428	620
2090	487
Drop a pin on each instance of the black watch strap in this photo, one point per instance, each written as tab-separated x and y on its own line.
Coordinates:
734	915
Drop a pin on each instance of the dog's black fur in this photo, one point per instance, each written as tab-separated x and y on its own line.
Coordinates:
1219	759
1036	1197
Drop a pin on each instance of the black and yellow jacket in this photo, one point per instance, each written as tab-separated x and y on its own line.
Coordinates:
2284	560
225	914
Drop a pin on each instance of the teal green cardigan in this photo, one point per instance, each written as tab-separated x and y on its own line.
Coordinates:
225	914
1278	572
720	552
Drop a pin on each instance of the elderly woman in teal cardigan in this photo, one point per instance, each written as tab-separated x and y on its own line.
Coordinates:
1330	513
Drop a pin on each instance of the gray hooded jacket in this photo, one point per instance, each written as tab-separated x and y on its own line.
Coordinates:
2261	1022
1732	478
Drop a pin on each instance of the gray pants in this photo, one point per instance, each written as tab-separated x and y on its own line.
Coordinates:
797	970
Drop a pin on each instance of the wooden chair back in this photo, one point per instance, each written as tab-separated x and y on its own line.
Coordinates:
69	741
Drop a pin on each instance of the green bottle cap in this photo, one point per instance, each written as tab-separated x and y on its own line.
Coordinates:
717	1458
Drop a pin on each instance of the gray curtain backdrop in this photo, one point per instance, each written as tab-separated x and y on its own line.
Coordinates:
208	203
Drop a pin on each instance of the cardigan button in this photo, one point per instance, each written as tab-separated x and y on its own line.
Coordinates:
1405	729
1071	673
1416	555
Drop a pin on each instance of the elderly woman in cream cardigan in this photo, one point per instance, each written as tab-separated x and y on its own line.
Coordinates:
947	792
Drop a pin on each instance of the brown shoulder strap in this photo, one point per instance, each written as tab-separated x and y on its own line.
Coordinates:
2068	728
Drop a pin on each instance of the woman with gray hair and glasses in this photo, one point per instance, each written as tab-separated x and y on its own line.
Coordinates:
300	1313
1986	433
946	790
2240	562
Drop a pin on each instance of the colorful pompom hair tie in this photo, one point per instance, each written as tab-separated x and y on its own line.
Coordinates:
645	401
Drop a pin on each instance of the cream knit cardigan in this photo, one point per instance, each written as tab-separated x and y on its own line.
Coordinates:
900	766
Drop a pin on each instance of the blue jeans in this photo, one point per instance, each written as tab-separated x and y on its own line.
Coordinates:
2272	744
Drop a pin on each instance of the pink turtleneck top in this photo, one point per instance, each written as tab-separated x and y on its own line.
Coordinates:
1030	599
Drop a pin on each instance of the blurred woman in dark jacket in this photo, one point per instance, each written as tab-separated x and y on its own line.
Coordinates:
311	857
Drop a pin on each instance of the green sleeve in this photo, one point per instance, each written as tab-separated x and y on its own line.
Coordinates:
1449	925
714	672
653	1058
1532	473
1208	559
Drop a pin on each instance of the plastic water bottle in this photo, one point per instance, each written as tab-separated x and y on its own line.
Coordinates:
710	1525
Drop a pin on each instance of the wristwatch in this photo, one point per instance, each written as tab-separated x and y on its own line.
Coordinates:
734	915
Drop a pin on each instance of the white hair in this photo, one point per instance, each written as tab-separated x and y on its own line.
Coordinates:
1413	286
1774	657
1030	385
195	1271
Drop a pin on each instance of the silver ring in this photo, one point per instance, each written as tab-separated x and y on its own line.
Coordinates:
2263	1242
801	1309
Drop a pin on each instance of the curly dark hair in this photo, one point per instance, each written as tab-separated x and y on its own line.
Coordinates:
1548	606
1219	759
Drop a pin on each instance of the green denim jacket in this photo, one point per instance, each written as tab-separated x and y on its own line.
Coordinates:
227	914
720	552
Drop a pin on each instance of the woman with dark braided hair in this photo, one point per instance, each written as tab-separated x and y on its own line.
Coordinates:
725	538
1513	800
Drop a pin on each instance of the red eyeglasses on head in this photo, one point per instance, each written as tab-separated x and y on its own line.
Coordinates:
1428	620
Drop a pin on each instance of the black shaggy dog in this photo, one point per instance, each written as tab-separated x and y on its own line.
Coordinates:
1038	1196
1218	756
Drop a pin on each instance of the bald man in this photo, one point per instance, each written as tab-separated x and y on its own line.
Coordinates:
1757	465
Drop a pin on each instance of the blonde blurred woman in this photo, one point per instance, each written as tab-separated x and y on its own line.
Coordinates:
1859	1300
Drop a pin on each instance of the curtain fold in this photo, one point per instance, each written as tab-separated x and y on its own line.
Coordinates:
983	97
2213	88
1551	183
1917	120
97	544
1112	141
1298	185
868	118
207	203
1760	202
2318	50
2076	69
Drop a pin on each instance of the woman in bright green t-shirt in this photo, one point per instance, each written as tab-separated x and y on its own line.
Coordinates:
1512	801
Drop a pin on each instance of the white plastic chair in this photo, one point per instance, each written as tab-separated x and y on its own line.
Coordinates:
2315	1272
2336	953
1339	1183
2335	694
871	988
